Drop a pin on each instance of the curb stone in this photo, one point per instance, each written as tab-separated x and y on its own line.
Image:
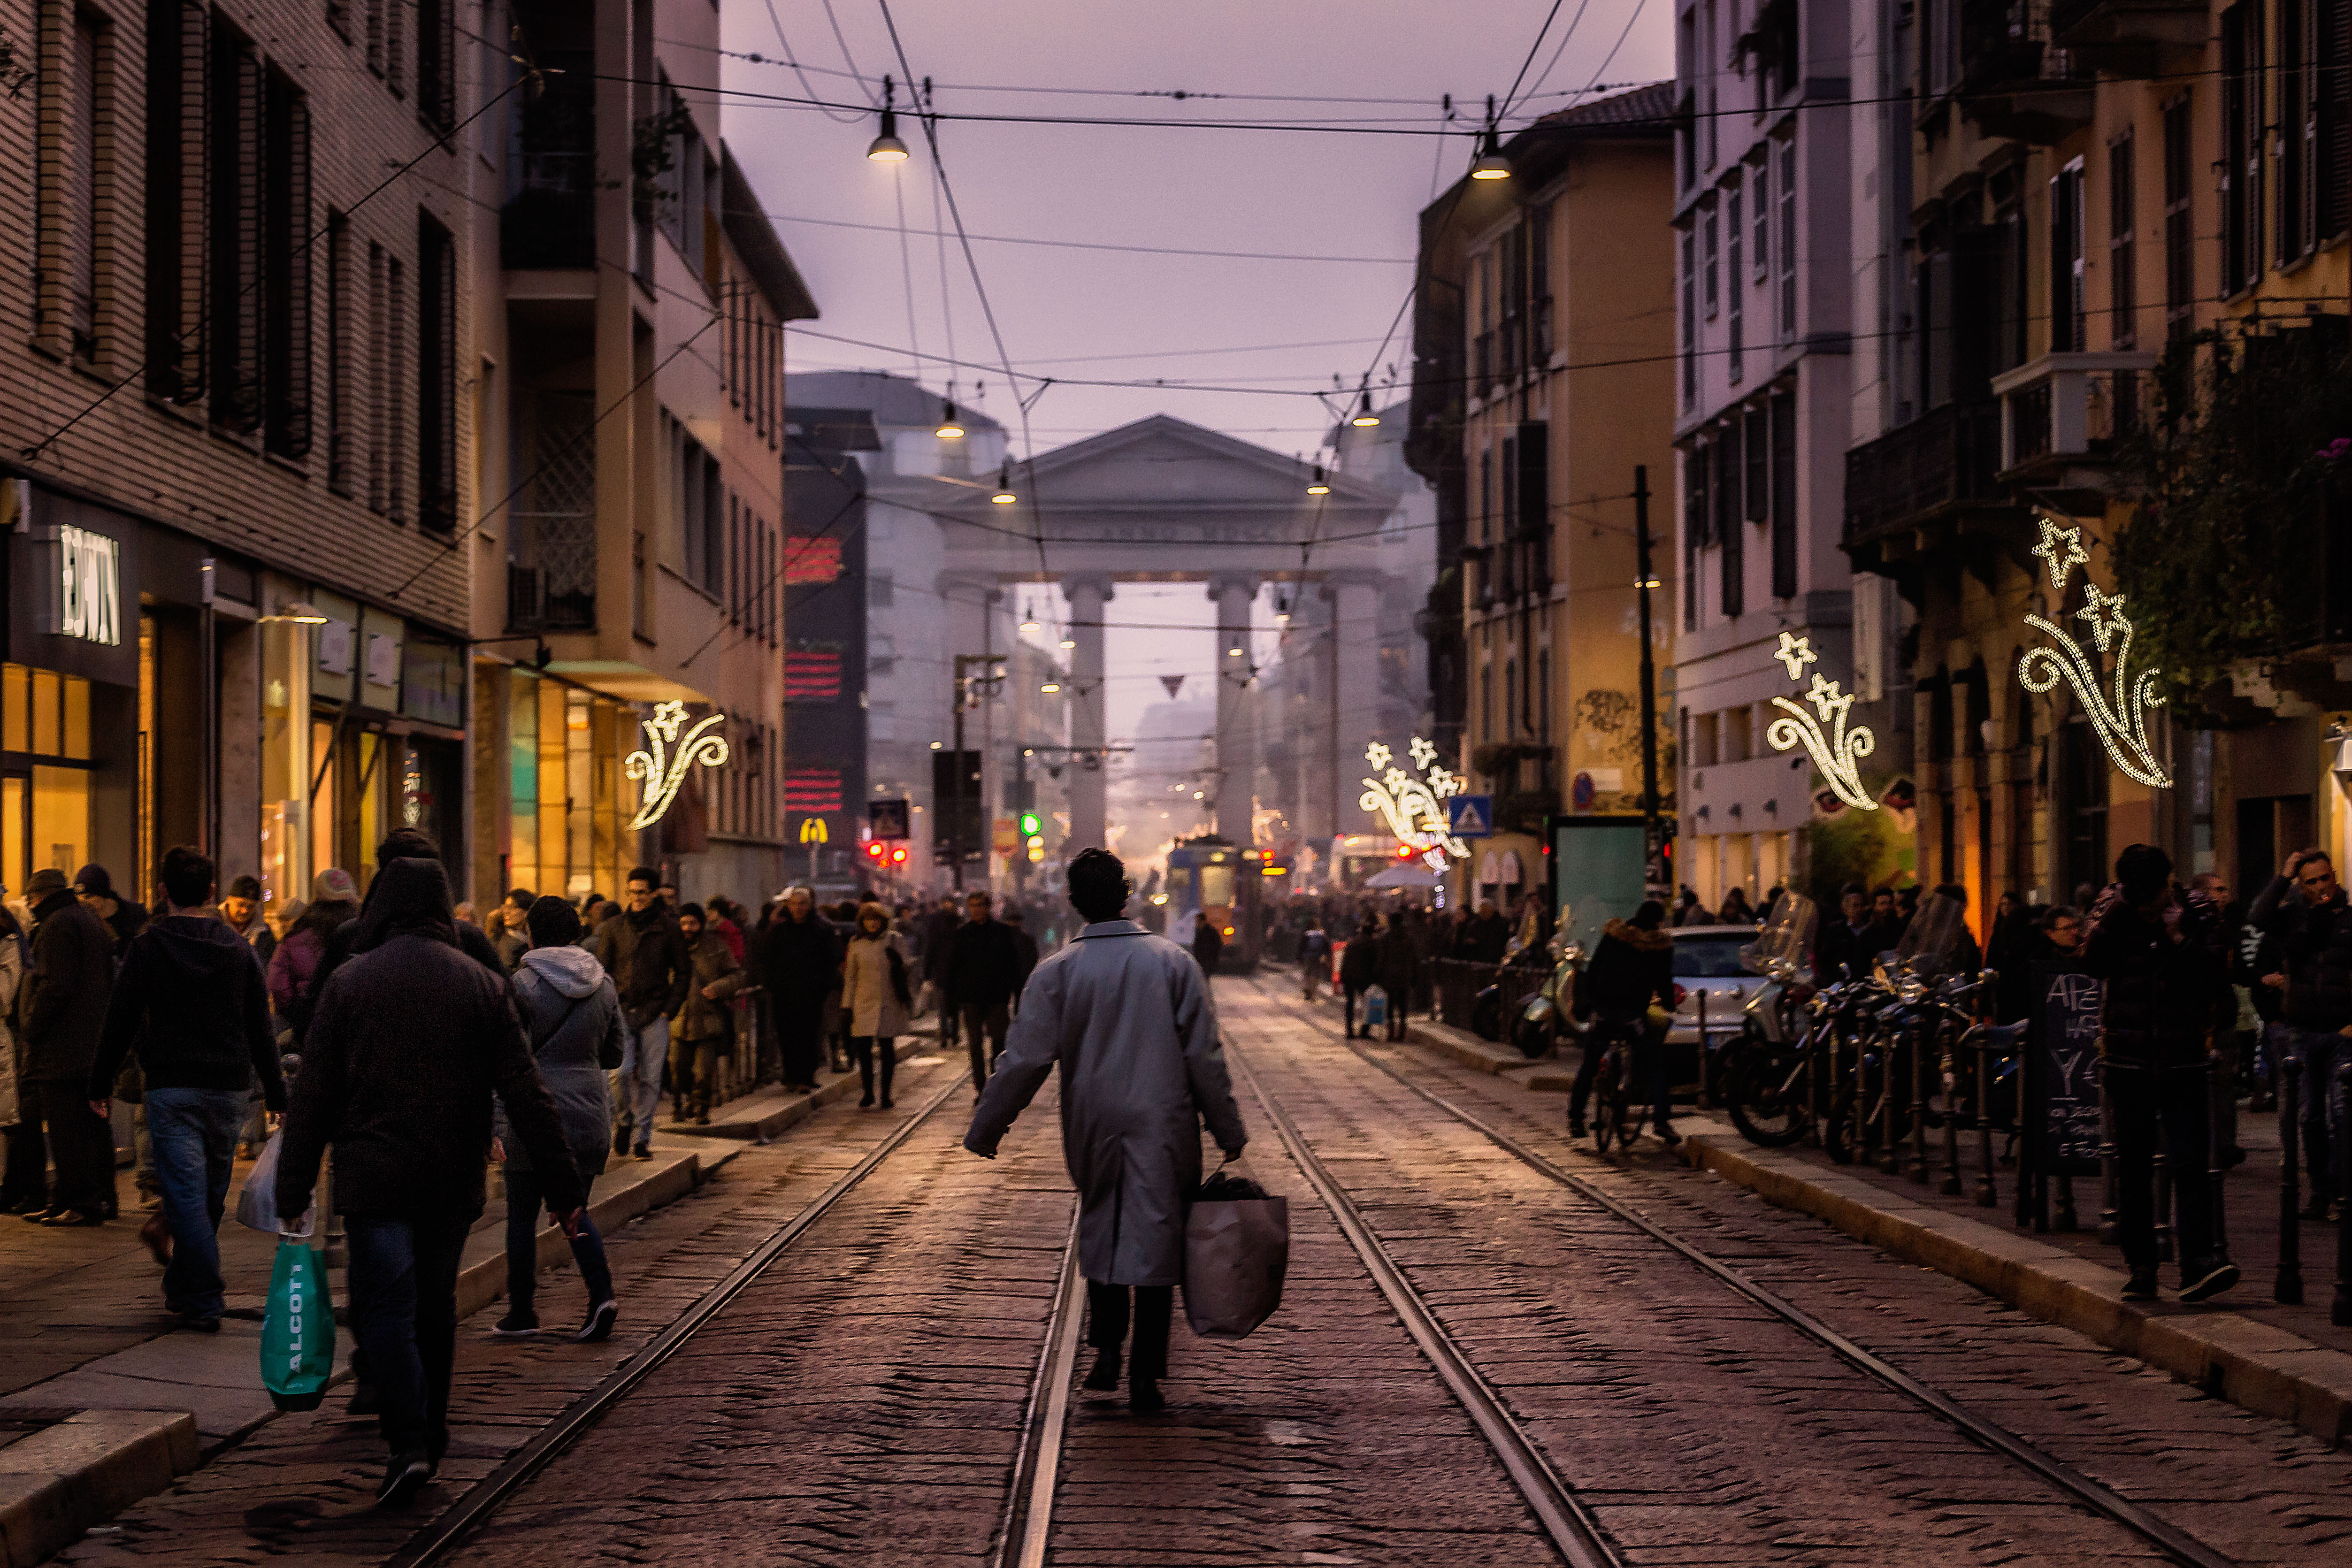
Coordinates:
59	1481
2255	1365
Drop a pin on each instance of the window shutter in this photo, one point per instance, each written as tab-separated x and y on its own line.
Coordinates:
287	290
178	163
1535	503
2334	173
1784	497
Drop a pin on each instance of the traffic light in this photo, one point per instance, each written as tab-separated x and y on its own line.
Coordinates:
1030	824
876	851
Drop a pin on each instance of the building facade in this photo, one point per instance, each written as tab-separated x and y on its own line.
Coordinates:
1552	372
240	479
627	361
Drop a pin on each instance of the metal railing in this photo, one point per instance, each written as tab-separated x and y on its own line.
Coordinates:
1457	983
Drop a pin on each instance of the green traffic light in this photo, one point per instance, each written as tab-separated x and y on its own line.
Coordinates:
1028	824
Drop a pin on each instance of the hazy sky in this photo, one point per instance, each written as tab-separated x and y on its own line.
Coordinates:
1276	330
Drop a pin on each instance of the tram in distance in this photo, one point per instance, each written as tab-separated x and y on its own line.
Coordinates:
1212	879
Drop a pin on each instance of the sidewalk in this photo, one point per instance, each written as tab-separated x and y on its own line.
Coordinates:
2289	1361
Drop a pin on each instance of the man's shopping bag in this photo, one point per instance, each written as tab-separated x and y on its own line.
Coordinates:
1236	1251
256	1204
297	1329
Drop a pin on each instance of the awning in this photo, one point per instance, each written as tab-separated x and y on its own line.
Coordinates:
1410	874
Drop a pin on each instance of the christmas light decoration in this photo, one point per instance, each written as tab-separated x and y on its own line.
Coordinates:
1837	751
2121	718
661	767
1414	807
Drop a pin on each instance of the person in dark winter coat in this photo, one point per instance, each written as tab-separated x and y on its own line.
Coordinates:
1852	942
983	975
2159	952
796	961
572	1016
295	967
1632	968
126	917
1130	1019
1360	971
61	1012
192	1003
1208	944
2306	927
1484	937
1400	969
1024	946
701	1033
642	950
410	1042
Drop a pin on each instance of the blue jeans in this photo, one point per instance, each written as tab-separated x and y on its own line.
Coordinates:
2322	1110
636	1083
404	1280
192	1134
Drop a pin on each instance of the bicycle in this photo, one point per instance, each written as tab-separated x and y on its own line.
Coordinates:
1618	1113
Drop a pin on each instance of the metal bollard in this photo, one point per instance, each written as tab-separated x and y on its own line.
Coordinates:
2340	1162
2109	1231
1861	1100
1890	1148
1988	1194
1706	1099
2063	1217
1950	1186
2214	1165
2288	1289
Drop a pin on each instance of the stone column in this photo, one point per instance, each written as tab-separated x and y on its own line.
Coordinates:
1237	711
1089	804
1356	703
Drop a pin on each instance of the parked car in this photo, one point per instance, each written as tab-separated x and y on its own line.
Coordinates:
1708	964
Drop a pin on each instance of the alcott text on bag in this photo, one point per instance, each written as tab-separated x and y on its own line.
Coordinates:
1236	1251
297	1329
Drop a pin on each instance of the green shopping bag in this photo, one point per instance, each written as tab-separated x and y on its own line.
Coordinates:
297	1329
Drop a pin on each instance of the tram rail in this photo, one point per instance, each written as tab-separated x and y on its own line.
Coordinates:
2174	1542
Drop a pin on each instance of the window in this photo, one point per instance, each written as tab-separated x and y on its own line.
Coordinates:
1785	153
1687	68
286	266
1939	45
69	209
1539	286
1756	446
1736	278
233	295
1694	515
436	375
1707	237
1784	496
1760	241
2241	147
2298	126
2068	327
2123	256
387	383
1706	63
339	353
176	65
1690	321
2179	242
2331	155
1727	527
383	41
436	62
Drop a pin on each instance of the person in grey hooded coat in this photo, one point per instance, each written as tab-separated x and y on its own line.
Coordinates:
572	1016
1129	1017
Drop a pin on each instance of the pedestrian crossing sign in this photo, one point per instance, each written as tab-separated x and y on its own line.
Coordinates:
1470	816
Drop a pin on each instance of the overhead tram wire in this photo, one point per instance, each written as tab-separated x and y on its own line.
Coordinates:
1098	245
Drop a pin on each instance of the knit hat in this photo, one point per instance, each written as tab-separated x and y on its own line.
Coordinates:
47	881
334	886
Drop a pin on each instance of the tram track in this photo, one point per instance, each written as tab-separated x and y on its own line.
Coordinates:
2177	1546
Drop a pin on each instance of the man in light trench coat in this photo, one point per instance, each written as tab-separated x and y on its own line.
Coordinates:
1129	1017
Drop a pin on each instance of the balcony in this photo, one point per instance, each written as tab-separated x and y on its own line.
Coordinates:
1936	469
2019	84
551	528
548	221
2124	36
2064	416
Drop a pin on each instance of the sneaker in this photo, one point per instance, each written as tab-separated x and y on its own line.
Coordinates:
403	1478
644	1151
72	1218
2141	1286
1143	1396
517	1325
702	1118
1105	1376
1669	1137
195	1325
599	1325
621	1140
41	1214
2317	1208
1576	1126
2200	1281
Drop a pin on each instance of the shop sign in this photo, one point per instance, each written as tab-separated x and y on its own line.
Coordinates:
89	587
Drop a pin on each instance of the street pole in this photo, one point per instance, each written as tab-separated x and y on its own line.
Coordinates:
955	821
1646	581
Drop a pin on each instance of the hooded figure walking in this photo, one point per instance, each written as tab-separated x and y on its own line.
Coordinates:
1129	1017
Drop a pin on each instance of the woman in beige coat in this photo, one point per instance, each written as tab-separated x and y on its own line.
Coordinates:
874	988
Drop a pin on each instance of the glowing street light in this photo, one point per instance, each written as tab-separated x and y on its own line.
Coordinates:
1004	496
1365	418
1491	164
1320	486
951	428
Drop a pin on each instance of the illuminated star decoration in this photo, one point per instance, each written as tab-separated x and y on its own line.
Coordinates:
2062	549
1836	752
1796	653
2096	608
662	766
1413	807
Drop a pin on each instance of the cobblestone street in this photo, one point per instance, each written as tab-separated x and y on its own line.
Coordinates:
868	1395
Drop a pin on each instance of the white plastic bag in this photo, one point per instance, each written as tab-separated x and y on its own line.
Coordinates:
256	1206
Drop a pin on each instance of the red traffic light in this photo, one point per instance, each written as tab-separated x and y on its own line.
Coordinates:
899	855
877	850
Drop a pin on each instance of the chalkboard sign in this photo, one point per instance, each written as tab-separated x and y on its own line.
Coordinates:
2062	1073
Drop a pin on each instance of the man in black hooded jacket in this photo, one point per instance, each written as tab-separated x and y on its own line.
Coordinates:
1632	966
191	1001
409	1043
